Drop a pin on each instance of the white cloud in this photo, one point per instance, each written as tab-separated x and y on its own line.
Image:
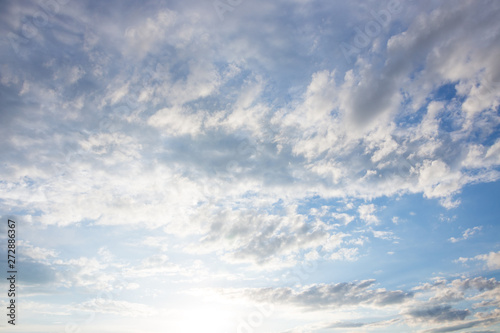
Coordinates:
387	235
366	214
492	260
467	233
345	218
35	252
347	254
437	180
177	121
479	156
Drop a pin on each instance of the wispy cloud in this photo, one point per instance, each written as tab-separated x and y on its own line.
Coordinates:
467	233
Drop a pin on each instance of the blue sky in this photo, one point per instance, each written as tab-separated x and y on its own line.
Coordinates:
252	166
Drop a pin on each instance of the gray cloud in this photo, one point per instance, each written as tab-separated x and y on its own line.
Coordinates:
346	324
439	313
331	295
460	327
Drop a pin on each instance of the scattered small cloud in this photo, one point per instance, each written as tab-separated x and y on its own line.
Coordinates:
492	260
366	214
466	234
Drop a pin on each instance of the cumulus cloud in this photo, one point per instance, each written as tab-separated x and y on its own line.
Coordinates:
492	260
442	294
366	214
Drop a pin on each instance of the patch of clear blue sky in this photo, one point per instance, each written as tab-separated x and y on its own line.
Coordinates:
423	249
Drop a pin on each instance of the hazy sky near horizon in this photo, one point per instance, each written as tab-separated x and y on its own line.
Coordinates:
251	166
